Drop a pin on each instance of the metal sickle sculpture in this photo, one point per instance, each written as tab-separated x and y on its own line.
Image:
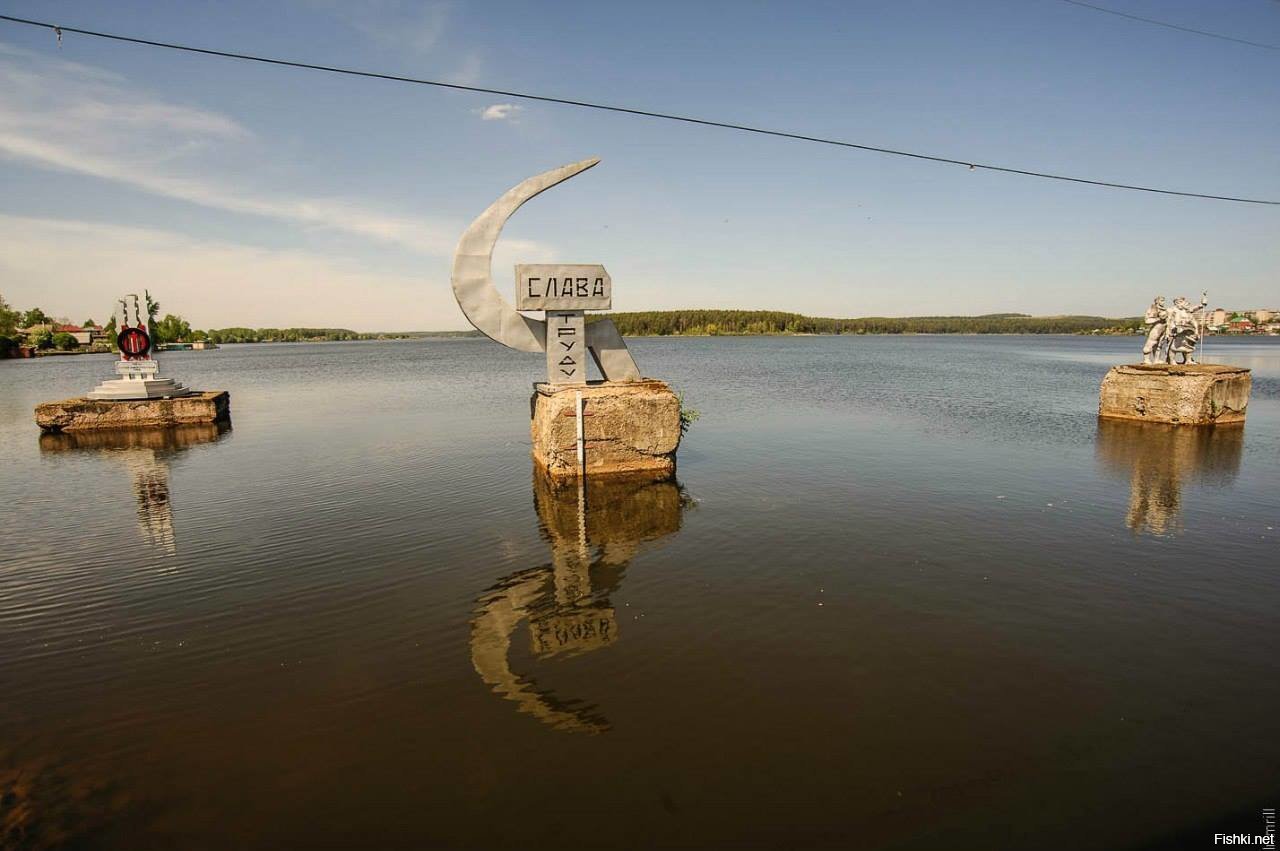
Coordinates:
493	316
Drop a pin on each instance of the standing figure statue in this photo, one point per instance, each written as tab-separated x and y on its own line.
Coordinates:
1156	320
1183	329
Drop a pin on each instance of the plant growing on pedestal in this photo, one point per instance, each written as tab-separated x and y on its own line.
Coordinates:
688	416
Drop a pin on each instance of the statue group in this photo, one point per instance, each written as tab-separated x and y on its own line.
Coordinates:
1173	331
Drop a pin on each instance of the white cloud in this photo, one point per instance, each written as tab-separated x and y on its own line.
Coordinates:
69	117
76	267
501	112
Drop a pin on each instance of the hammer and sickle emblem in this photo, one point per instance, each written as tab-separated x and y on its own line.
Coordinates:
493	315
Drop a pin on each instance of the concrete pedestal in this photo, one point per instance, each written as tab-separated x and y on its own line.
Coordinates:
1190	394
629	428
84	413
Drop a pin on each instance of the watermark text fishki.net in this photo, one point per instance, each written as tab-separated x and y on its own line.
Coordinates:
1266	839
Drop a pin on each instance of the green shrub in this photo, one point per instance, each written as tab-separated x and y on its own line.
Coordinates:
688	416
42	339
65	341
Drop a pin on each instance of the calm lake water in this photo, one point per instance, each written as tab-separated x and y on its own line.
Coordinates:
907	593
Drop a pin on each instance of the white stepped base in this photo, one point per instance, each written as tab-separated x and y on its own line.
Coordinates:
139	388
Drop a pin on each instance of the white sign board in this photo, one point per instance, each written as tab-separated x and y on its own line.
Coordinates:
563	286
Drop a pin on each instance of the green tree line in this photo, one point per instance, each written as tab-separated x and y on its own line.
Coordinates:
663	323
173	329
282	335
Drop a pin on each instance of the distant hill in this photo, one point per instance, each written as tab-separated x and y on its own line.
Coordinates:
663	323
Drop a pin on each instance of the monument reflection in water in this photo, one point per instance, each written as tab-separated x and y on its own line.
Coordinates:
146	454
1160	459
594	531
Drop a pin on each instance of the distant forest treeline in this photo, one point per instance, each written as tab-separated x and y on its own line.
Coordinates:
730	322
312	335
664	323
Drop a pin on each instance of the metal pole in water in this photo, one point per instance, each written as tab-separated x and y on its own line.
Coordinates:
582	451
1203	318
582	522
582	487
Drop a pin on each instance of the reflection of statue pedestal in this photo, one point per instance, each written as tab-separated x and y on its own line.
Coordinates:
146	453
629	427
594	529
1159	459
1189	394
84	413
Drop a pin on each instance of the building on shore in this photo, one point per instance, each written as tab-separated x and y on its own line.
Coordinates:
1258	321
85	335
1240	324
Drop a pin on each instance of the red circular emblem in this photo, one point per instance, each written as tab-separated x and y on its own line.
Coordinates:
134	342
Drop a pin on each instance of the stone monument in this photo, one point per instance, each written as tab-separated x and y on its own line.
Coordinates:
138	397
138	371
1170	386
634	422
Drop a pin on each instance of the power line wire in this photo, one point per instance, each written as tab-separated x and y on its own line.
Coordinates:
1168	25
59	30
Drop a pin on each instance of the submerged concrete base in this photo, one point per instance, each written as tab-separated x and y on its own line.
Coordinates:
84	414
1189	394
630	427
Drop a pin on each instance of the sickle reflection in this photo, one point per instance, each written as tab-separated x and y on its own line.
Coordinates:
565	604
488	311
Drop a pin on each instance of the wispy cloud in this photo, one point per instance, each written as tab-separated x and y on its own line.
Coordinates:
70	117
212	283
501	112
38	93
407	24
468	72
410	28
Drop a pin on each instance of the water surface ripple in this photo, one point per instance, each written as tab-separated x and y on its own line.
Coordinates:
907	592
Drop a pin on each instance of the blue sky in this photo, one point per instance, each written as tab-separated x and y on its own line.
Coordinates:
250	195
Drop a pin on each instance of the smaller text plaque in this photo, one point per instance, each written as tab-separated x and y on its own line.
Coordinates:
566	347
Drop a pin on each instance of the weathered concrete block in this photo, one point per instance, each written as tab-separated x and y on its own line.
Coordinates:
1189	394
84	413
629	427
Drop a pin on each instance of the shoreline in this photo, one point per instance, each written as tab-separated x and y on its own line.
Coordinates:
480	337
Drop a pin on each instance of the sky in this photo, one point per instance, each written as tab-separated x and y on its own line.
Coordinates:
245	194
